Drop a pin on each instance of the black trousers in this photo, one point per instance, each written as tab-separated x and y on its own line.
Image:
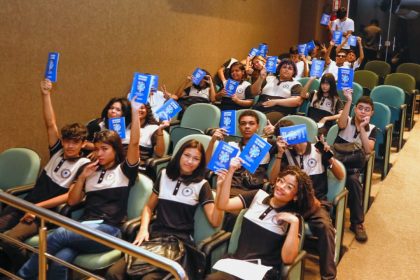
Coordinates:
355	201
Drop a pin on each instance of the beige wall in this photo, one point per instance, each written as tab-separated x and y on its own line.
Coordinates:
103	42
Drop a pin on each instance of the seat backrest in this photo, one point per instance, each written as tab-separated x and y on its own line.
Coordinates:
139	195
366	78
203	139
335	186
357	93
389	95
410	68
381	68
311	126
18	167
262	121
202	227
167	141
201	116
381	118
179	132
402	80
332	134
314	85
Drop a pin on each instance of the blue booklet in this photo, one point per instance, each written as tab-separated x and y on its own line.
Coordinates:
325	19
310	45
302	49
337	37
271	64
118	125
168	110
228	121
140	89
197	76
263	49
155	83
231	86
317	68
254	152
352	41
222	156
345	78
294	134
253	52
52	66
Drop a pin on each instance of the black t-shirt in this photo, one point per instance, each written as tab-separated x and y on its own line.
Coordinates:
262	237
178	202
107	193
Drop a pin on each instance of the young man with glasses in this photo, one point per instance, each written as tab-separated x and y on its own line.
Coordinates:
340	59
357	129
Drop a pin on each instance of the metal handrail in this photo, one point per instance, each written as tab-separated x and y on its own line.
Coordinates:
113	242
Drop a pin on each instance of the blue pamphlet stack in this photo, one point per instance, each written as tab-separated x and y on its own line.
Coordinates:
317	68
352	41
254	152
271	64
345	78
140	88
263	49
228	121
253	52
337	37
222	156
302	50
294	134
310	46
197	76
231	86
118	125
52	67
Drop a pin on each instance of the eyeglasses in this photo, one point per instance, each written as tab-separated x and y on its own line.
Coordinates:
366	109
340	55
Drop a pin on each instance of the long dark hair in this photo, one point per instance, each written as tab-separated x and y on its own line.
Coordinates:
150	118
173	169
285	61
241	67
332	93
111	138
125	108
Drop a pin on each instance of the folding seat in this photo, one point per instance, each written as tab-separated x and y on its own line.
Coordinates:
367	79
380	68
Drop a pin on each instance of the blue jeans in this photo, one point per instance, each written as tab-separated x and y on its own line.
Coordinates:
66	245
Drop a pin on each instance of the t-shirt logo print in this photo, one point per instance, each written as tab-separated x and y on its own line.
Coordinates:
223	157
312	162
65	173
254	151
110	177
187	191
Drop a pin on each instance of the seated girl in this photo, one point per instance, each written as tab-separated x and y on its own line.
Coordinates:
270	228
242	98
178	191
105	184
253	67
325	105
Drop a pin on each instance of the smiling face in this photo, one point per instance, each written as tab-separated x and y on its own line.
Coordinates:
142	112
340	58
115	110
189	161
257	63
285	189
237	73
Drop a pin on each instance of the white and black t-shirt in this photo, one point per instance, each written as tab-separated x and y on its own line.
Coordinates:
57	175
147	140
262	235
243	92
351	135
178	202
107	193
194	92
324	107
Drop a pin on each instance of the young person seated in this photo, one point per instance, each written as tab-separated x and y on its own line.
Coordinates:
51	188
178	191
314	161
105	185
359	130
189	93
279	94
243	180
242	98
331	65
253	67
270	227
223	71
342	23
325	105
352	61
300	61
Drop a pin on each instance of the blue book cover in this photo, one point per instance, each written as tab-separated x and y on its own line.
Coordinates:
263	49
52	66
337	37
294	134
325	19
310	45
302	49
154	82
253	52
197	76
231	86
317	68
228	121
254	152
222	156
352	41
271	64
168	110
140	88
118	125
345	78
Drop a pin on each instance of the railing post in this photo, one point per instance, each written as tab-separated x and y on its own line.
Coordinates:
42	260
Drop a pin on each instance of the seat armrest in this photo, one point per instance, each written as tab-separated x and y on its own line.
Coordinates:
18	190
67	210
287	269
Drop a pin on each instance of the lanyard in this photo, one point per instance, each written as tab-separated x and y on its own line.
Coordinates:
59	165
177	187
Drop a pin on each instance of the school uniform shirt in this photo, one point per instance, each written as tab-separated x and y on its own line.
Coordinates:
57	175
107	193
353	65
262	236
147	141
314	164
243	92
156	100
275	89
333	69
300	66
178	202
323	107
344	26
351	135
243	180
194	92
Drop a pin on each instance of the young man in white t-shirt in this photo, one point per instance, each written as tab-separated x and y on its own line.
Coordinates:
343	24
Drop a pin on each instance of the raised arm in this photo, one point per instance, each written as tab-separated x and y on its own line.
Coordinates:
361	53
133	146
290	248
48	112
342	121
160	141
328	53
275	170
212	95
343	43
257	86
218	134
180	91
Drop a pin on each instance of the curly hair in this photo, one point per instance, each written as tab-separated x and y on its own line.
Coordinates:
150	118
